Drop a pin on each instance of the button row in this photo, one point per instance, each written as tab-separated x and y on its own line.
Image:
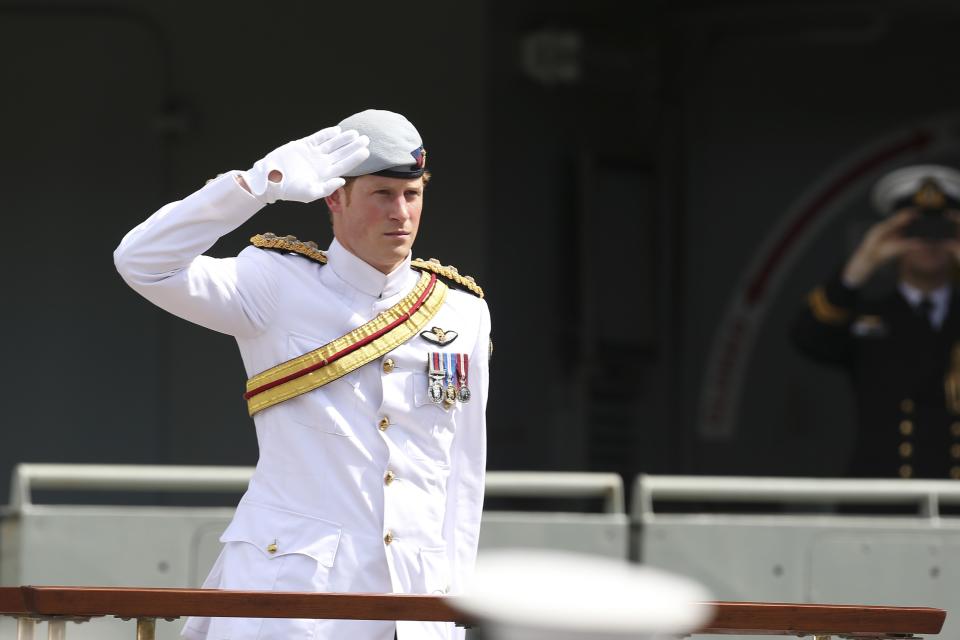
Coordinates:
906	428
906	471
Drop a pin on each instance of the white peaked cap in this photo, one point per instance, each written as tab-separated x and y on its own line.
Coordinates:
902	183
529	594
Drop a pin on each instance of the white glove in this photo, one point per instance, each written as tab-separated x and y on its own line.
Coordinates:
310	167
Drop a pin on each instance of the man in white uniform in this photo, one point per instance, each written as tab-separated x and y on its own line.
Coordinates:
368	377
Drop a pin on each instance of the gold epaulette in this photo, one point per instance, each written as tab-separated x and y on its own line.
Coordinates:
307	249
824	310
449	273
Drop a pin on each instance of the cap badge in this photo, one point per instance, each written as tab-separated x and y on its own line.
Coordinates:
439	337
420	155
930	196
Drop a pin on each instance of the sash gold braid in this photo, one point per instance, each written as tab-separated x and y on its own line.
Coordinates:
340	367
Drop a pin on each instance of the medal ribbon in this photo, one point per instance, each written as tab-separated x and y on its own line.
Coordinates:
451	370
463	366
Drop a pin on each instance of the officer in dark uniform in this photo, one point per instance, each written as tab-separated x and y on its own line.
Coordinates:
902	350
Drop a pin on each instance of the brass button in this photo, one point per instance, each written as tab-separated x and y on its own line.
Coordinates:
906	427
388	365
387	539
955	451
906	449
906	471
272	547
955	429
389	477
383	424
955	473
906	405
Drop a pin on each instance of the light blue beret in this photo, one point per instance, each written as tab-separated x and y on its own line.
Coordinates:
396	150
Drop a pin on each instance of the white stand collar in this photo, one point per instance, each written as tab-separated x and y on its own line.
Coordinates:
365	278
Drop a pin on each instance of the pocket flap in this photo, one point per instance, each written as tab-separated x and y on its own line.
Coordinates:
276	533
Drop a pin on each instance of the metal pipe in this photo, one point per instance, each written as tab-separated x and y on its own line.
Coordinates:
146	628
123	477
56	630
25	628
120	477
544	484
927	494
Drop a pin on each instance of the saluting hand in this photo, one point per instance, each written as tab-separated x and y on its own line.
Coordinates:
306	169
882	242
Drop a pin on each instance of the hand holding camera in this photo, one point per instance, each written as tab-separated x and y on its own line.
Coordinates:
884	241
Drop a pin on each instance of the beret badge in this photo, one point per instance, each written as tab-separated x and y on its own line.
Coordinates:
420	156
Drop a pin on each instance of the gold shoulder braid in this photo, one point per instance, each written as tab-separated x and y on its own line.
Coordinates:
289	244
310	250
448	273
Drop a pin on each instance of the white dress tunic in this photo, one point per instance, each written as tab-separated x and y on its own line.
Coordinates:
363	485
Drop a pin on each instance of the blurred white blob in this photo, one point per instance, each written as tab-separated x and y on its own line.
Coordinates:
526	594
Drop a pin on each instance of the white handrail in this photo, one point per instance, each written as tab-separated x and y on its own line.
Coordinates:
559	484
214	479
123	477
928	494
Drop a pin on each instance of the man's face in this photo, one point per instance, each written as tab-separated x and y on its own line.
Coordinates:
379	219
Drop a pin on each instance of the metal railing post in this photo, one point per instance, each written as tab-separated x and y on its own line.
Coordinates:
146	628
56	629
25	628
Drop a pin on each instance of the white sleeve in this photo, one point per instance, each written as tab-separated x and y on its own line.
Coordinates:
468	465
161	259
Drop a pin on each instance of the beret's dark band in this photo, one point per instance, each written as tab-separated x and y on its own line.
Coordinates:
415	172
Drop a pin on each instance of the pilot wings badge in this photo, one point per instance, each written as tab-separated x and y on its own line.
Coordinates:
438	336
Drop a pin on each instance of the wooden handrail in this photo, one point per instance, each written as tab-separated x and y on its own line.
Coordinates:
768	618
11	601
745	618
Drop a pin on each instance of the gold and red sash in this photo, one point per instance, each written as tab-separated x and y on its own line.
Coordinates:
364	344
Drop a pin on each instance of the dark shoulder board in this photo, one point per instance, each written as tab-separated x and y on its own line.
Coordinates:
289	244
449	274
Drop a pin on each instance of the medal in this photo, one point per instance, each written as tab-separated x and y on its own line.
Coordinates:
437	374
463	367
450	390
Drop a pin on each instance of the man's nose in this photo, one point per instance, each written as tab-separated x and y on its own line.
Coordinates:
399	210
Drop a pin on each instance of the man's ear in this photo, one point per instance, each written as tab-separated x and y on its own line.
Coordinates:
335	200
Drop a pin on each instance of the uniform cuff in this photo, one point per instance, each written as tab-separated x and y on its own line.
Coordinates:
839	293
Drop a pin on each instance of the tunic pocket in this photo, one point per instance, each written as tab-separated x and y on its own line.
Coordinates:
319	409
435	570
269	549
432	437
277	534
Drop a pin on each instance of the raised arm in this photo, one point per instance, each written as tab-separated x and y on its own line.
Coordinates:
162	257
822	328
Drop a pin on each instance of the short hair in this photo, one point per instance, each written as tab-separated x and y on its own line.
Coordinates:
348	183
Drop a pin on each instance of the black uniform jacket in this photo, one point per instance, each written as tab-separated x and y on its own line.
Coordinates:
905	374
